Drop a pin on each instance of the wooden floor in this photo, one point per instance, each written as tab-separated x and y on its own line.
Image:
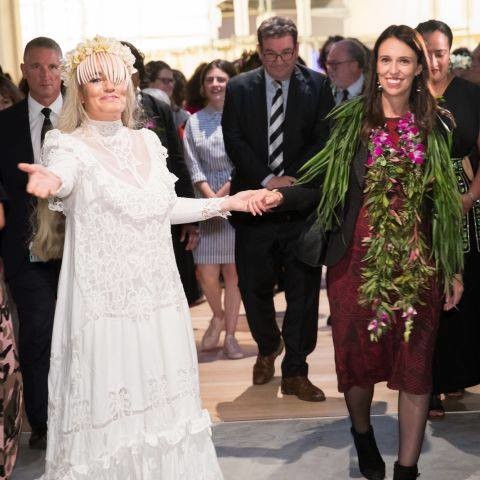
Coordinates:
227	391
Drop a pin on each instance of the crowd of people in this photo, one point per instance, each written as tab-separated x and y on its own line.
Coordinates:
128	191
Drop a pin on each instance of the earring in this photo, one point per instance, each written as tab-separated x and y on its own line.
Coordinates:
419	87
379	87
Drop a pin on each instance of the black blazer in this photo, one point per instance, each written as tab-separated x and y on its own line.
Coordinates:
15	147
160	113
245	126
301	198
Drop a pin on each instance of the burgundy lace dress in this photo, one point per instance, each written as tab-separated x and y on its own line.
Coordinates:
361	362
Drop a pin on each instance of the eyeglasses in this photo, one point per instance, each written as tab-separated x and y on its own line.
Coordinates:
334	65
166	80
271	57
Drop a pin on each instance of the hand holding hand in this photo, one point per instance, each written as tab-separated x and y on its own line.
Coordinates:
263	201
238	202
454	294
278	182
41	182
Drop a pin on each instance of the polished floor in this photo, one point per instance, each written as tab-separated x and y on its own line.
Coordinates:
261	435
321	449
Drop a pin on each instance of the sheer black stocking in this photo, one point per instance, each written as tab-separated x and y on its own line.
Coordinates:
359	401
412	417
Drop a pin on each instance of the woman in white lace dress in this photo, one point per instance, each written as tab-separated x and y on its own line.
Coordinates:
123	386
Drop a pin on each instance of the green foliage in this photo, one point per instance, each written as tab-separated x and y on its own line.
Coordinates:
399	261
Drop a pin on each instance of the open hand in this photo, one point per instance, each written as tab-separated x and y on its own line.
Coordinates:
41	182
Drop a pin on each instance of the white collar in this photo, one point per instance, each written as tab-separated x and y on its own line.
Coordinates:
271	81
356	87
35	108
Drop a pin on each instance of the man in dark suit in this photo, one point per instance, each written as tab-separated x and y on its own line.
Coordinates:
273	122
33	283
346	68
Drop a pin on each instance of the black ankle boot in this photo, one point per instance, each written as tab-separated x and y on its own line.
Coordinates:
370	461
405	473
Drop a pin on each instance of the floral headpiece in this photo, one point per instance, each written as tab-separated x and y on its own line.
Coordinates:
460	61
101	48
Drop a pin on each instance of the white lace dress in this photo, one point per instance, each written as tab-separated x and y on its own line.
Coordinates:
123	386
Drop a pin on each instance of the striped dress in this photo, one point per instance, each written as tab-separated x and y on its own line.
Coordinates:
207	161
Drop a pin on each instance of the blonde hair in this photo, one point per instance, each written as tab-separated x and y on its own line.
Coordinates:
49	226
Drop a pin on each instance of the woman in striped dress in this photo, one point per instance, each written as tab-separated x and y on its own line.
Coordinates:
210	170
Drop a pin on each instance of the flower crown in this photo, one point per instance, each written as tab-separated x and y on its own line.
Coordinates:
98	44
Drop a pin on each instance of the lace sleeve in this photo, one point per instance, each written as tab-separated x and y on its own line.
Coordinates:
58	155
188	210
160	153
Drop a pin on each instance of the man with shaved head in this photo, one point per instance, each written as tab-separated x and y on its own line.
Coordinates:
33	283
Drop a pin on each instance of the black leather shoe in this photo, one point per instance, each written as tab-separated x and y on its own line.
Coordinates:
264	367
38	439
405	473
370	462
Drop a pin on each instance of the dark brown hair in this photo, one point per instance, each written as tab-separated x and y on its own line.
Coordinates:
139	64
179	84
9	90
322	54
431	26
276	27
421	102
223	65
192	89
153	68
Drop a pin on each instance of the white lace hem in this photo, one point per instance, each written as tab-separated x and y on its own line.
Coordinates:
186	453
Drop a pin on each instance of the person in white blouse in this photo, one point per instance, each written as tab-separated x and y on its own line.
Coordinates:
123	386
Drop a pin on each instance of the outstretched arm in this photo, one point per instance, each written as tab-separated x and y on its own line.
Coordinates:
187	210
41	181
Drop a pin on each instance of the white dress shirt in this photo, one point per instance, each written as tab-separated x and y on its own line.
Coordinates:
36	118
354	90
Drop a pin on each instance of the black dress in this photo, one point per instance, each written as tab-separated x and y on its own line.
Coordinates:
457	356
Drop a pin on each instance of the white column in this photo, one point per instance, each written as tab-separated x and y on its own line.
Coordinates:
10	38
304	18
241	17
304	26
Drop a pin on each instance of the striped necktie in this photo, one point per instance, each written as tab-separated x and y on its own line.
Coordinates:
275	132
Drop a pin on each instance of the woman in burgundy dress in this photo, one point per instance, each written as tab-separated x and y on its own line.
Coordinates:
389	204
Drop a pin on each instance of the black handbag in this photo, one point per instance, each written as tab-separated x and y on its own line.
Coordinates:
312	243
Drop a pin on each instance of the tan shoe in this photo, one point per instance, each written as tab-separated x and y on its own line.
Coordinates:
231	348
211	336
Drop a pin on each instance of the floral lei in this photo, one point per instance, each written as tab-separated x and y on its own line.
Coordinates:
397	266
399	180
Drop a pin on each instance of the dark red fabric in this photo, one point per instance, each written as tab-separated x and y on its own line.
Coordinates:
361	362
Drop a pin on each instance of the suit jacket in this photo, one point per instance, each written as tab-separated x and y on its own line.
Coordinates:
15	147
301	198
159	112
245	127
